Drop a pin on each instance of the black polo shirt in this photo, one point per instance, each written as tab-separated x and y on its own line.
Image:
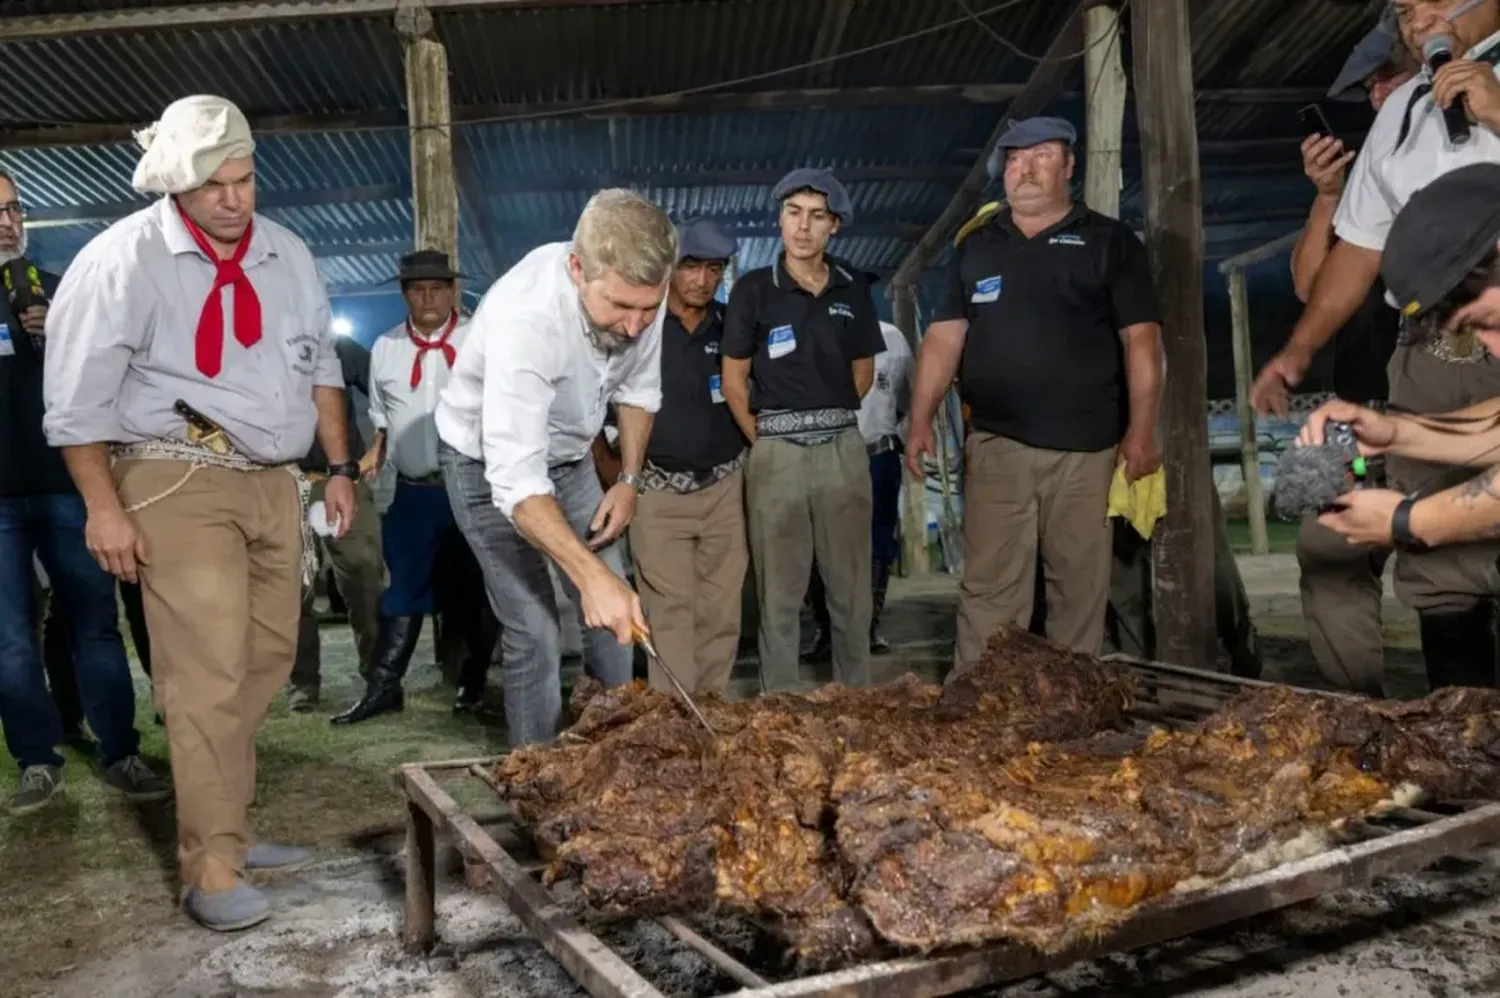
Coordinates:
28	466
694	430
1042	362
802	347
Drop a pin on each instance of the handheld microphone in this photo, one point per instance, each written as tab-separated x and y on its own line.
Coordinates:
23	290
1439	52
1311	479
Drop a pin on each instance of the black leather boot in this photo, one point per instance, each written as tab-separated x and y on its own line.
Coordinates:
1461	649
393	651
817	599
880	578
479	652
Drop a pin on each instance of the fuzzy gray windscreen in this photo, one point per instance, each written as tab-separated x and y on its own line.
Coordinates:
1309	479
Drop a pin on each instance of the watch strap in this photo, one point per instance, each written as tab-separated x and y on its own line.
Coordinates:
349	469
1401	526
626	478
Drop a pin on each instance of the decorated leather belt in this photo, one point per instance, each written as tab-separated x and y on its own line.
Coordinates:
654	479
807	427
1454	348
884	445
436	478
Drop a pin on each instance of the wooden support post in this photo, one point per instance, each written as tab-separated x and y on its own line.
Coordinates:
914	556
1104	114
419	930
434	186
1239	308
1183	545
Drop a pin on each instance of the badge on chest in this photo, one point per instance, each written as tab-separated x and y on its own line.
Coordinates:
781	341
716	389
7	345
986	289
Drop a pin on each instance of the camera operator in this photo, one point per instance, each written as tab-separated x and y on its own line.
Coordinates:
1442	264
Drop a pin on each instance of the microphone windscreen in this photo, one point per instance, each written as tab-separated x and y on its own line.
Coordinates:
1309	479
1437	45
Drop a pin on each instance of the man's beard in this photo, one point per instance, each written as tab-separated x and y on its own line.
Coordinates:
7	255
602	339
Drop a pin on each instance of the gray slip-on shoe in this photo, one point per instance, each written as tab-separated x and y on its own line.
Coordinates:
39	784
227	911
268	857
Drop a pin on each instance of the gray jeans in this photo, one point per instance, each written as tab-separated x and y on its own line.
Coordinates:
521	594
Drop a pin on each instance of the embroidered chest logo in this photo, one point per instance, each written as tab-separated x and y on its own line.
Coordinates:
304	348
883	381
986	289
839	310
1066	239
711	347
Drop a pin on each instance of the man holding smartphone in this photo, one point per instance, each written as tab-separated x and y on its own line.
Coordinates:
1343	586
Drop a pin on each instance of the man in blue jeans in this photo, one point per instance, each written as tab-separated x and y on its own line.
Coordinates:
42	514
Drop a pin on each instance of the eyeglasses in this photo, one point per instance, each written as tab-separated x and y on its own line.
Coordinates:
13	209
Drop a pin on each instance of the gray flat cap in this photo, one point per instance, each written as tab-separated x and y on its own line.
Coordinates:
808	178
1031	132
1370	53
705	239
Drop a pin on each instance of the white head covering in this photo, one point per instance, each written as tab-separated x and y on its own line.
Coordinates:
192	140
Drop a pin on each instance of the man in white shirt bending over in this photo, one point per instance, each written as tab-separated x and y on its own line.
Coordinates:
568	330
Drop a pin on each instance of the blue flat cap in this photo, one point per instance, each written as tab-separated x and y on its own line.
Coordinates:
808	178
1031	132
1370	53
705	239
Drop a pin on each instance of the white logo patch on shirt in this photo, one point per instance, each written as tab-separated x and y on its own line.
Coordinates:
711	347
1066	239
716	389
7	345
987	289
840	310
780	342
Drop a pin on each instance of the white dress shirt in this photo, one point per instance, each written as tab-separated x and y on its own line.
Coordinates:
883	410
529	390
121	336
1385	176
403	412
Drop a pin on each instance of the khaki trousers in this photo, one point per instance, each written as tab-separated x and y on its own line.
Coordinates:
804	502
1018	500
222	593
1455	577
690	558
1342	592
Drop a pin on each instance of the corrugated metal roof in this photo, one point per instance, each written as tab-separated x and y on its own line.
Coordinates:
528	178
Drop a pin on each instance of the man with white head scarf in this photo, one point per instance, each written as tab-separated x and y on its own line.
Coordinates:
182	411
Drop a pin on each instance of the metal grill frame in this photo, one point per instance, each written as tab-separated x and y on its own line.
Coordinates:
1173	695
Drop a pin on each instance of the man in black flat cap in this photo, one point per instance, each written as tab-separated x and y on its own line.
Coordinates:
688	536
409	367
1442	266
805	329
1052	328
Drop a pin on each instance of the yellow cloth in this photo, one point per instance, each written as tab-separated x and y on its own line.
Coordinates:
1142	502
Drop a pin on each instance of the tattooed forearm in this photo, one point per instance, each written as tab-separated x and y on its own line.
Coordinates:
1482	486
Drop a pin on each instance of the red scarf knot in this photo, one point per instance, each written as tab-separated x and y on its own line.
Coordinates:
209	345
423	345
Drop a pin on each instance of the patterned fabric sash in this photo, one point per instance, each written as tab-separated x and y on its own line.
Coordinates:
201	457
654	479
807	427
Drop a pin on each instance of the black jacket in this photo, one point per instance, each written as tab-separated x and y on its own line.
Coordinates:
28	467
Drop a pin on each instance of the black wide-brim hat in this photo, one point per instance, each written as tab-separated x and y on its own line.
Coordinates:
427	265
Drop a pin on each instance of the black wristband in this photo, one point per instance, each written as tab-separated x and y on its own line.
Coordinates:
349	469
1401	526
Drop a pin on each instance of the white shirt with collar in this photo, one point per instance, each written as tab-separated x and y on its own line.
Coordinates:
1385	176
406	414
122	330
883	410
529	390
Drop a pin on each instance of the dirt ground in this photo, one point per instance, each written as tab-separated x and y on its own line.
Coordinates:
88	893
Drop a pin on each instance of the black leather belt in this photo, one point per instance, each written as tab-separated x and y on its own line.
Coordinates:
436	478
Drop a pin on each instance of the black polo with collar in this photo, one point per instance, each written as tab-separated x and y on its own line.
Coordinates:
1042	361
694	430
802	346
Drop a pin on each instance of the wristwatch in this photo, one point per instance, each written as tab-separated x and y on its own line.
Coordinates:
626	478
1401	527
349	469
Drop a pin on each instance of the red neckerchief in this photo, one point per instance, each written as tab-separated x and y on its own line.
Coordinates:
424	345
209	345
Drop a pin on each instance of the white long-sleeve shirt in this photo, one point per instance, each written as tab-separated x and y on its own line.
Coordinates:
882	412
406	414
529	390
